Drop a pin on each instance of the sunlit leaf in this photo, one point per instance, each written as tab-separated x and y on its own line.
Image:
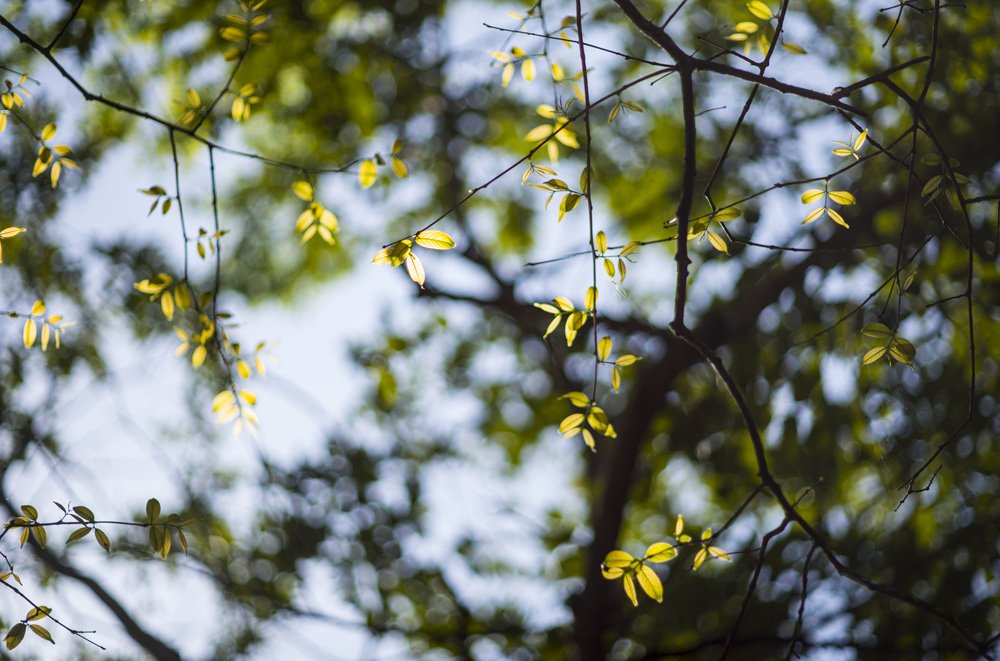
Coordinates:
811	195
759	9
367	173
571	421
660	552
873	355
528	70
650	583
303	190
415	269
877	330
837	218
842	197
630	589
604	348
434	240
814	214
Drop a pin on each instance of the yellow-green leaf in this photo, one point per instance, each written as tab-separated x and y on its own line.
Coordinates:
650	583
563	303
367	173
660	552
29	333
15	635
538	133
601	242
932	184
604	348
102	539
727	214
399	167
903	351
528	70
842	197
699	558
577	398
303	190
630	589
873	355
198	356
42	633
507	74
759	9
877	330
811	195
152	510
571	421
814	214
718	242
415	269
434	240
716	552
837	218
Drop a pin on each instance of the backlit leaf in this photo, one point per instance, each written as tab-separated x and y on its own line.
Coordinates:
660	552
434	240
873	355
814	214
604	348
601	242
415	269
842	197
932	184
528	70
507	74
577	398
650	583
811	195
837	218
42	633
303	190
759	9
630	590
29	333
877	330
718	242
15	635
571	421
152	510
198	356
367	173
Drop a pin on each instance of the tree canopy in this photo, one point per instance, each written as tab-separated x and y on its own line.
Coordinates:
673	328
